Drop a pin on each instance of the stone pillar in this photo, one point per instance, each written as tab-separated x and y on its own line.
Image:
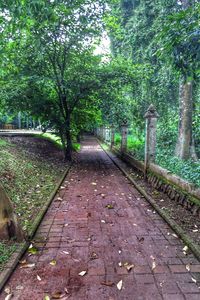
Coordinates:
124	134
101	133
107	134
112	138
151	117
19	120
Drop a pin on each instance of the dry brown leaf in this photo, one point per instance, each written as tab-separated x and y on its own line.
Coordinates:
94	256
58	295
27	266
22	262
129	267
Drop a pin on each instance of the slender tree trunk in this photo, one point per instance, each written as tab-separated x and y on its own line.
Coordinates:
185	144
9	226
68	151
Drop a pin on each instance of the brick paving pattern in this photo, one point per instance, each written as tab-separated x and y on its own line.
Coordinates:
99	223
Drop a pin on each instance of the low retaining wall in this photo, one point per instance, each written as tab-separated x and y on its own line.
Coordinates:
176	188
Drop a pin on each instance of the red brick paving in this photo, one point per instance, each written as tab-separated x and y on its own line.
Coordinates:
81	234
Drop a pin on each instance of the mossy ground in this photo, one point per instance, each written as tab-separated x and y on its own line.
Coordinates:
29	171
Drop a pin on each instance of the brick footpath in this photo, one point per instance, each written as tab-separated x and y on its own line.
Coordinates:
99	223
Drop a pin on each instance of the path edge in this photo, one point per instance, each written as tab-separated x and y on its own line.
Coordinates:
14	260
174	226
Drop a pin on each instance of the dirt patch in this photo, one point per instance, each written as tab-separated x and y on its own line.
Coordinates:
183	217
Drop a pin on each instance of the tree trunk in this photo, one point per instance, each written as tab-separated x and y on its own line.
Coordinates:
9	226
68	151
185	145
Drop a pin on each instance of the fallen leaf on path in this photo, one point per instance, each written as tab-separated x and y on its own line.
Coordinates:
39	278
58	295
7	290
107	283
59	199
128	266
53	262
93	183
141	240
47	297
8	297
109	206
23	261
174	235
187	267
153	265
102	221
185	249
27	266
66	252
32	250
19	287
194	280
83	273
94	256
119	285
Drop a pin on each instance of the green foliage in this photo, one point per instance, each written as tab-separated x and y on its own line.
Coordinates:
3	143
189	170
6	250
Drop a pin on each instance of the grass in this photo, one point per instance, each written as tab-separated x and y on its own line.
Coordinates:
57	141
29	181
6	250
186	169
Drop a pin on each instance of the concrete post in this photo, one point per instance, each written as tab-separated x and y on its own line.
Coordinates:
112	138
107	134
124	134
101	132
151	117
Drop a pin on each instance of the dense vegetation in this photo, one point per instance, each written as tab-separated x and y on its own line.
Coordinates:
164	38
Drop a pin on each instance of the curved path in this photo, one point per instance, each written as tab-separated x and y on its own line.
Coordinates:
100	224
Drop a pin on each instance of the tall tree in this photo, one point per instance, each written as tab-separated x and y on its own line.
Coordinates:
54	37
